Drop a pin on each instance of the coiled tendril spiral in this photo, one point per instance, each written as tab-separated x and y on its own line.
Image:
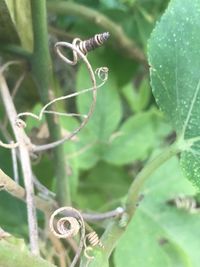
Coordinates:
94	240
92	43
187	203
68	226
82	46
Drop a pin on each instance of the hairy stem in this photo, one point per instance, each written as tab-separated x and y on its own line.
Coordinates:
42	72
114	231
124	43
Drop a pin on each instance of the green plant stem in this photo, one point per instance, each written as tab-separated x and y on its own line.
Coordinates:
114	231
124	43
136	186
15	50
42	72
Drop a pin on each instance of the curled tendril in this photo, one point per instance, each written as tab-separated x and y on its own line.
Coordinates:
85	46
68	226
79	52
102	74
94	241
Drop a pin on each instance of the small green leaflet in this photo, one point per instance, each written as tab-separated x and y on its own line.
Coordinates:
174	57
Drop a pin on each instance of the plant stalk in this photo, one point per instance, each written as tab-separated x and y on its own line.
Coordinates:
113	232
43	76
24	143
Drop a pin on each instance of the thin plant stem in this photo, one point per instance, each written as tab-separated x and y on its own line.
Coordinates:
17	51
9	185
114	231
42	73
15	165
23	142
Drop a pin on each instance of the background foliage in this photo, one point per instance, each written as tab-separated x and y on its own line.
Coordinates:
127	127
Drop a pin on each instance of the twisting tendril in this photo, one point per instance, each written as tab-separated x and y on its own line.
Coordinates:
79	49
94	241
187	203
68	226
84	47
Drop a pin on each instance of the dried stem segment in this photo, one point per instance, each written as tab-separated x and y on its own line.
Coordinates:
24	143
7	184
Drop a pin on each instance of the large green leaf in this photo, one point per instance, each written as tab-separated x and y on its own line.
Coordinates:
174	56
136	138
160	234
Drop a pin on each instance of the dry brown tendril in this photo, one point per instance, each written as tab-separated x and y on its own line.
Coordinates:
68	226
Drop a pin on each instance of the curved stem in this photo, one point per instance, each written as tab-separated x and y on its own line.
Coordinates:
42	72
124	43
137	184
114	231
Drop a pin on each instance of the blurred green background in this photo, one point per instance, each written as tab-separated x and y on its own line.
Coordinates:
126	129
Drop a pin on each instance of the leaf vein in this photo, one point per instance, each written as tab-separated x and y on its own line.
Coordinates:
191	107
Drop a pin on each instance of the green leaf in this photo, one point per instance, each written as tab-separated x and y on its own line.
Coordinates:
104	185
86	150
13	215
14	253
68	125
136	138
137	99
108	109
105	119
16	19
160	234
8	32
174	57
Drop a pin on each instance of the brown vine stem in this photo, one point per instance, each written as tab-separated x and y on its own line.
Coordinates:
7	184
23	142
124	43
48	206
60	250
